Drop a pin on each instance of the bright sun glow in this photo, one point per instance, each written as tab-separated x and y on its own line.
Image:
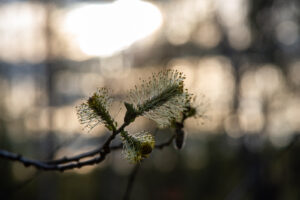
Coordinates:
106	28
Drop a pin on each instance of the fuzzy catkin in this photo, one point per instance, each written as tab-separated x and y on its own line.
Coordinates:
162	98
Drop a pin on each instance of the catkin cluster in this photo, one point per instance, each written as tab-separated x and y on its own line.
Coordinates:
161	98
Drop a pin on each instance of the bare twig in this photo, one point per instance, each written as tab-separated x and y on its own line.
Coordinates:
66	163
44	166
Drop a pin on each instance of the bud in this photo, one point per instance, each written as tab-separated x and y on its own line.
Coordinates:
194	108
137	146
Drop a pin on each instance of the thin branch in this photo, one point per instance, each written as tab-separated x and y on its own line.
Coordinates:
75	158
44	166
67	163
131	179
82	155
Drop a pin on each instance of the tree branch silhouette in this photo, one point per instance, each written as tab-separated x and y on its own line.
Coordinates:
67	163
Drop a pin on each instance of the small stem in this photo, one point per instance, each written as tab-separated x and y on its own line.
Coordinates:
131	179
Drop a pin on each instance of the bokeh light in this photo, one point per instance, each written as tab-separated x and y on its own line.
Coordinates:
22	28
129	21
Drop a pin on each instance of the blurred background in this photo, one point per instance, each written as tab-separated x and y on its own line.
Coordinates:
241	59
